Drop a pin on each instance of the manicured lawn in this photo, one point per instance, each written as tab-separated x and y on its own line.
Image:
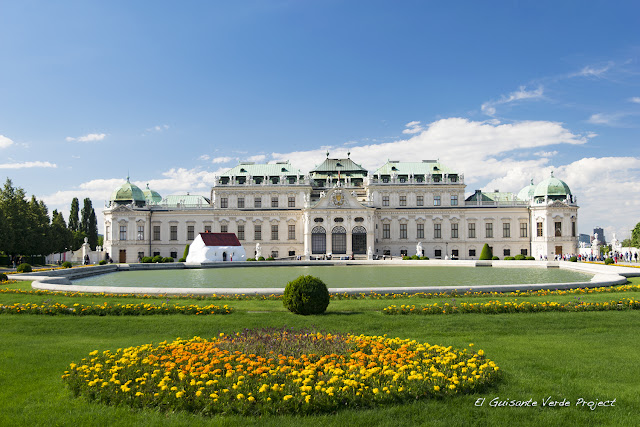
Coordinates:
568	356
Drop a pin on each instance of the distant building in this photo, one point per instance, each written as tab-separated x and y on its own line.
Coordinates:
342	209
601	238
584	238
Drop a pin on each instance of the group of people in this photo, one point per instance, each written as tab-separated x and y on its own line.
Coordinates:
616	256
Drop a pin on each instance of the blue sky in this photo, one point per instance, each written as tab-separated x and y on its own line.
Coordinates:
173	92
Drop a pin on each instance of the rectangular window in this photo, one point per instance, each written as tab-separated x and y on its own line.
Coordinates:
224	228
140	256
257	202
488	230
257	232
419	200
573	229
472	230
436	201
403	200
292	202
224	202
386	231
123	232
539	229
106	233
173	255
523	229
190	232
292	232
437	231
174	232
292	253
274	202
454	200
558	228
140	232
454	231
240	232
240	202
274	254
506	229
156	232
207	229
506	252
156	253
274	232
454	254
420	231
403	231
523	252
438	253
385	200
472	252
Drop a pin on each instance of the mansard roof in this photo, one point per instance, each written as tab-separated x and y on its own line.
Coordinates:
495	196
185	200
413	168
262	169
342	165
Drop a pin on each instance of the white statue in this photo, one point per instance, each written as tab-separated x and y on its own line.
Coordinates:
369	253
258	250
419	250
595	241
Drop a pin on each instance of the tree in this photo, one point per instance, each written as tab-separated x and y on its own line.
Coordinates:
60	234
84	216
635	236
15	211
38	242
485	254
626	243
74	224
92	231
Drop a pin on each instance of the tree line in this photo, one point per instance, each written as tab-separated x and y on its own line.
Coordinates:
27	229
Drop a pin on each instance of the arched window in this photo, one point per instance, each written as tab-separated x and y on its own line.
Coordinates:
318	240
339	240
359	240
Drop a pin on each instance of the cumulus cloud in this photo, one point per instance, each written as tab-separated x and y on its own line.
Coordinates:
204	157
546	153
92	137
5	142
222	160
26	165
257	158
489	107
412	128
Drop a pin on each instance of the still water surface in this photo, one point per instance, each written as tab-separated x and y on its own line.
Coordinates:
348	276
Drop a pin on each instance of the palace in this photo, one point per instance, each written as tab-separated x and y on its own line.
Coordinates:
343	210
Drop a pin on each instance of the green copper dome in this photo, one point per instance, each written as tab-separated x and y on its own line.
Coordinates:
128	193
527	192
553	188
151	196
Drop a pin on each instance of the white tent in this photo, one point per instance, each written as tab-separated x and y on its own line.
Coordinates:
211	247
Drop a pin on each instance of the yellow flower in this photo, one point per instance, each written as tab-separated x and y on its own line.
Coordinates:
240	396
287	397
436	388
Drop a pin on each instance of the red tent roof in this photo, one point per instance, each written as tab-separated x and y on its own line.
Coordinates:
220	239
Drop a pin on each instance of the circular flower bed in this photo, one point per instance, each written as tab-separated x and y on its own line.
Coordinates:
277	372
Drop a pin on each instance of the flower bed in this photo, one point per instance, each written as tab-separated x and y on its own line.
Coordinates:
495	307
278	372
112	309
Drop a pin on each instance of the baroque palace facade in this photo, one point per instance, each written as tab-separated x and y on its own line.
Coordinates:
341	209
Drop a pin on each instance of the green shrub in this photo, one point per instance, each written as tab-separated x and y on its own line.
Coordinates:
67	264
424	257
495	258
147	259
261	258
183	259
306	295
24	268
102	262
530	258
156	259
608	261
406	258
519	257
186	252
485	254
270	258
3	277
508	258
251	259
573	259
4	260
167	259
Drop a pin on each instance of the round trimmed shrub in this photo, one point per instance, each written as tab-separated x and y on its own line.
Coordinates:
306	295
509	258
67	264
519	257
3	277
270	258
495	257
530	258
156	258
167	259
147	259
573	259
608	261
485	254
102	262
424	257
251	259
183	259
24	268
261	258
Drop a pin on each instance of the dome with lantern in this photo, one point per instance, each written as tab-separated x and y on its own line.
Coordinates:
128	193
552	188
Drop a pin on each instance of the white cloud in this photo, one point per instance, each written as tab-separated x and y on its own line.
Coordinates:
257	158
522	93
92	137
635	99
158	128
412	128
593	70
5	142
204	157
26	165
222	159
546	153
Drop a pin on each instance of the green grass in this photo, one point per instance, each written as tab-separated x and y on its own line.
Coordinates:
569	356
